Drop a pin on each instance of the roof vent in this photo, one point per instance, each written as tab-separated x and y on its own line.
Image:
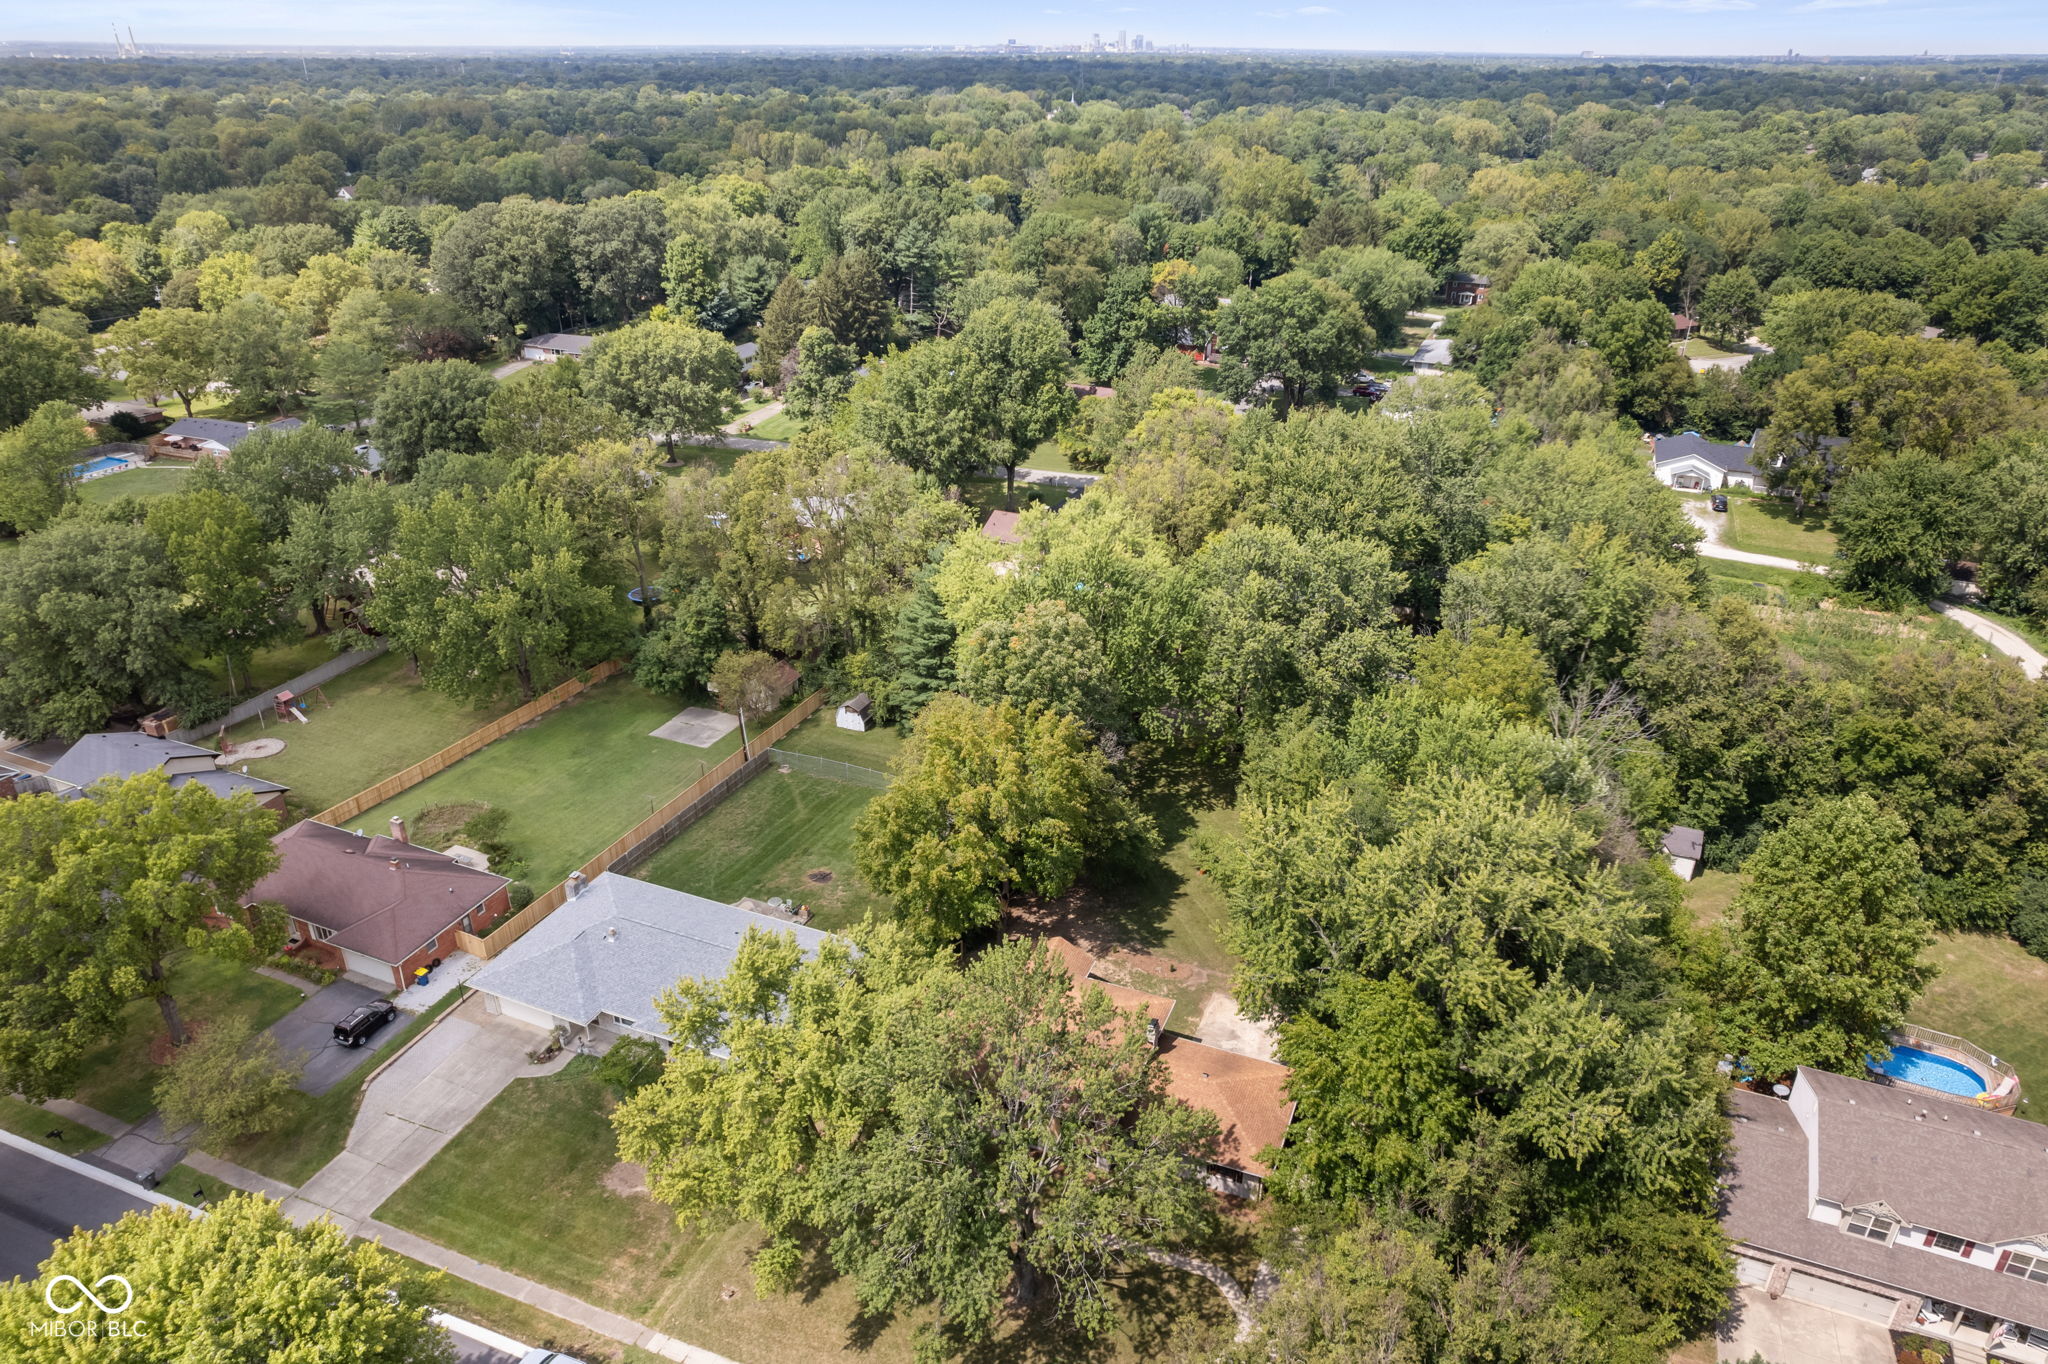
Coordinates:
394	864
611	934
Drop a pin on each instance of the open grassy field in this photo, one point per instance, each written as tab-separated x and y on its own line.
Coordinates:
118	1073
317	1127
1048	455
820	737
772	837
1709	894
382	721
523	1187
1990	991
781	426
1846	642
573	780
158	480
26	1120
271	666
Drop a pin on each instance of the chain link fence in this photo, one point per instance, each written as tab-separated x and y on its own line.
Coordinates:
829	767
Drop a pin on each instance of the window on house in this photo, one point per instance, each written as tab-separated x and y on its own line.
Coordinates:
1944	1241
1871	1226
2033	1267
321	934
623	1021
2035	1337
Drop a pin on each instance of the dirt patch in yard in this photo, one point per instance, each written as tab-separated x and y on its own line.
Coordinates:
821	876
626	1179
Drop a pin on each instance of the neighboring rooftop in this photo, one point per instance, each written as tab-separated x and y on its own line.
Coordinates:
1001	527
375	894
561	343
618	946
1685	841
1730	458
125	754
224	433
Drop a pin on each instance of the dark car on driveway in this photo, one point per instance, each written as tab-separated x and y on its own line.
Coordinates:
1719	502
362	1021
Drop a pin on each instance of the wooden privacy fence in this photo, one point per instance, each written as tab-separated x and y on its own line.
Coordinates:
707	788
468	744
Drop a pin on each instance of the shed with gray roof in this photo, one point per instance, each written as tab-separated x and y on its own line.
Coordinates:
597	965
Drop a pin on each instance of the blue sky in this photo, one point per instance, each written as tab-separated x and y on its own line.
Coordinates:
1678	27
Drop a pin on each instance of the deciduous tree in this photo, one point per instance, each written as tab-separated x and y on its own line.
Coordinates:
167	350
669	378
423	408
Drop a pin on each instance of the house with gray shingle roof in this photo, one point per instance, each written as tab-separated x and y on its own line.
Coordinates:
96	756
1691	461
595	966
191	438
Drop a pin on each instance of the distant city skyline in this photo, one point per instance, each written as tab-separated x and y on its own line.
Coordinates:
1567	27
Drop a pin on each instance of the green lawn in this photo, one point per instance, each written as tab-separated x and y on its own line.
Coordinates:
781	426
572	781
1768	525
1762	585
318	1126
1846	642
118	1073
820	737
986	495
272	666
188	1185
1709	894
529	1325
26	1120
1990	991
768	838
1049	455
523	1188
381	721
1699	348
717	458
158	480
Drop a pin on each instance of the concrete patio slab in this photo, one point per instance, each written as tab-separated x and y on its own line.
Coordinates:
698	727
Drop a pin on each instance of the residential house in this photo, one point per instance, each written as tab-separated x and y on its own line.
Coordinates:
1683	847
1887	1204
1466	291
125	755
99	414
387	905
1682	327
1433	354
1691	461
196	438
857	713
551	346
595	966
1247	1094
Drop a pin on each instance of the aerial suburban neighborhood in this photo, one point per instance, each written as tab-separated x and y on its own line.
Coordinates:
1275	694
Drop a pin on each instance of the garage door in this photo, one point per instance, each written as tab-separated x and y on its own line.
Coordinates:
1755	1273
367	966
1853	1302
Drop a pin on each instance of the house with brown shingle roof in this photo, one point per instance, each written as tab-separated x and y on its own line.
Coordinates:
1884	1203
388	906
1247	1094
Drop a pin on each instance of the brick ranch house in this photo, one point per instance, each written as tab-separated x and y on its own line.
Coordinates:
388	906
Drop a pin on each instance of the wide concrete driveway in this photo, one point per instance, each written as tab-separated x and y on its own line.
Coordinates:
310	1029
1792	1330
417	1106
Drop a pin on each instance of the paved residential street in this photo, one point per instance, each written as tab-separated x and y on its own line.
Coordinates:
45	1196
310	1029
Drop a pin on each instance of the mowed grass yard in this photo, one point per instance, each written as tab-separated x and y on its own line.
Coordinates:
523	1187
1990	991
156	480
382	721
772	837
1768	525
119	1074
572	781
821	737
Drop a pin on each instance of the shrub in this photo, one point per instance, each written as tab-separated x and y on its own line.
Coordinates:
631	1063
229	1081
520	895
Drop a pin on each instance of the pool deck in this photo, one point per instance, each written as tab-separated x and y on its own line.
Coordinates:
1963	1053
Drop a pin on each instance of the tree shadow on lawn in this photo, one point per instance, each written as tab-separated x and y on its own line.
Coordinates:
1127	908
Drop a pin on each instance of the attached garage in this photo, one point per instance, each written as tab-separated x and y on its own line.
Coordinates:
369	967
1837	1297
521	1013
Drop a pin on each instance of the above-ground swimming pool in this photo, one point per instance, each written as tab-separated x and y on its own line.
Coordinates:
1918	1067
104	464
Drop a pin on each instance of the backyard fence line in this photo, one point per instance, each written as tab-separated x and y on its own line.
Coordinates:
468	744
830	768
628	847
256	705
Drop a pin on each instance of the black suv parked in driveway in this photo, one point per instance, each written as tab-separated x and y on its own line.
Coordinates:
364	1020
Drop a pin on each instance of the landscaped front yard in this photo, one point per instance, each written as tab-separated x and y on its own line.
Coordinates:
783	833
533	1186
119	1074
1768	525
572	781
382	721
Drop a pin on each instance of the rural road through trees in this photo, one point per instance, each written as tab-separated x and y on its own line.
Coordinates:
2031	660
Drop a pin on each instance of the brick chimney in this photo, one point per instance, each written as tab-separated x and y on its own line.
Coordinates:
398	829
1152	1032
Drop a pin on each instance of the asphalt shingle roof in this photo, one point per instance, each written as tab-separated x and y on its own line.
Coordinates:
1732	459
375	894
209	428
124	755
616	947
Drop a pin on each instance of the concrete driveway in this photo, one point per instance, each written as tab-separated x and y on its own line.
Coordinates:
310	1029
1790	1330
417	1106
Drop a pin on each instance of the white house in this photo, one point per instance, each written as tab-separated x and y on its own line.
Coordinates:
1683	846
549	346
857	713
1691	461
1887	1205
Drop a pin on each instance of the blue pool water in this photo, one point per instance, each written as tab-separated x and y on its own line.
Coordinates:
98	466
1936	1072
